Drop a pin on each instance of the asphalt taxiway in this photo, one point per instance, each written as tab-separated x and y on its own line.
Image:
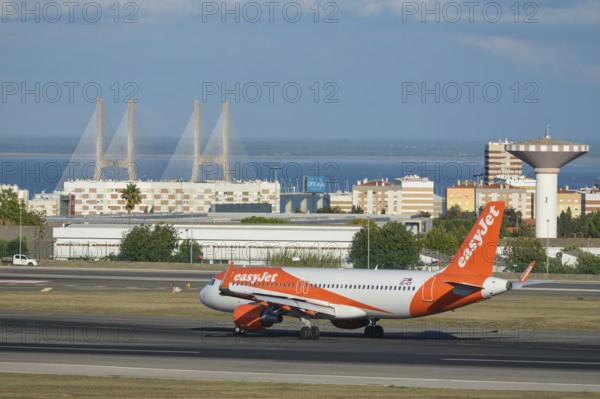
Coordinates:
37	278
412	354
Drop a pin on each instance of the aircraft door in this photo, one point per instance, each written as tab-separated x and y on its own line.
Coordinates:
427	291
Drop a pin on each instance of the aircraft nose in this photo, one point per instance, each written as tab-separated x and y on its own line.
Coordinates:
202	295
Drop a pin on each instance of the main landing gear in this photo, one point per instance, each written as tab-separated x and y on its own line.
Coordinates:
373	330
308	332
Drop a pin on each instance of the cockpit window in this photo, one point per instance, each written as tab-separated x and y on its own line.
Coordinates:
212	281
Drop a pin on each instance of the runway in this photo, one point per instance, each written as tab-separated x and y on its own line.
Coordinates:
409	355
37	278
416	353
72	279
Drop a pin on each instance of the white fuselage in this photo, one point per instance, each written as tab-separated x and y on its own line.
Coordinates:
354	293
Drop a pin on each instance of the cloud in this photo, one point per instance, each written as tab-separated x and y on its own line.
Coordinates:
535	55
571	12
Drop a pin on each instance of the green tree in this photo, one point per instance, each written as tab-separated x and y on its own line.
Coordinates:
438	239
263	220
521	251
132	196
143	244
391	246
525	230
183	253
362	222
329	209
456	222
12	210
454	213
592	225
565	225
460	233
357	209
10	248
588	263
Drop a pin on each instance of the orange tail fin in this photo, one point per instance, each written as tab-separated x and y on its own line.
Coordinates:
477	253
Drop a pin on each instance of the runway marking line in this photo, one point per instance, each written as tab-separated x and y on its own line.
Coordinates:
562	289
522	361
95	349
332	376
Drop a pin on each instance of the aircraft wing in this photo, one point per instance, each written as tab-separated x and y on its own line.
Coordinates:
301	304
286	303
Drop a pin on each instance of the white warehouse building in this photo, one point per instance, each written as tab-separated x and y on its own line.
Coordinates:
246	244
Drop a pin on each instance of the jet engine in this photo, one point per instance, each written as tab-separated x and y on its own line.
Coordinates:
350	324
251	317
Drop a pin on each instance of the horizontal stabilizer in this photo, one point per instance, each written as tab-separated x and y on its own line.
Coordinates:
518	284
527	272
456	284
463	289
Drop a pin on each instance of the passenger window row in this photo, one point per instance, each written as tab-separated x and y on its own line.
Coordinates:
333	286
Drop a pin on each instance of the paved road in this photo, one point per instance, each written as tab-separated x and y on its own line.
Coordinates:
32	278
207	349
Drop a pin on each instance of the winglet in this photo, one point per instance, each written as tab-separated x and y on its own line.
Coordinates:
527	272
225	283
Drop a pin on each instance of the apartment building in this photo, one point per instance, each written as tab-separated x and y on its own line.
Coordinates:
94	198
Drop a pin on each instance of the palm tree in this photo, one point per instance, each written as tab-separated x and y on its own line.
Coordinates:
133	196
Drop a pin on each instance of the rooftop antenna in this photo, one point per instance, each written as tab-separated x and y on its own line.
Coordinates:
547	136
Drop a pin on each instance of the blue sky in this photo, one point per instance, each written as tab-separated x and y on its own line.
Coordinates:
362	73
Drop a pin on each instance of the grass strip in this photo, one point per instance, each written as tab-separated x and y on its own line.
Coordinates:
512	310
17	386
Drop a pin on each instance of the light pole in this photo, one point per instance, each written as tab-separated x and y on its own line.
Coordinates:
20	225
189	231
547	242
368	242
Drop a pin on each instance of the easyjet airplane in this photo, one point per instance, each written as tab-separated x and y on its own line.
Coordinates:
259	297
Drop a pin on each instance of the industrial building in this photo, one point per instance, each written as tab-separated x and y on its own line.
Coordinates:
245	244
223	240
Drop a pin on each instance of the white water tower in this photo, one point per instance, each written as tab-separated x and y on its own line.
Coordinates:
546	155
